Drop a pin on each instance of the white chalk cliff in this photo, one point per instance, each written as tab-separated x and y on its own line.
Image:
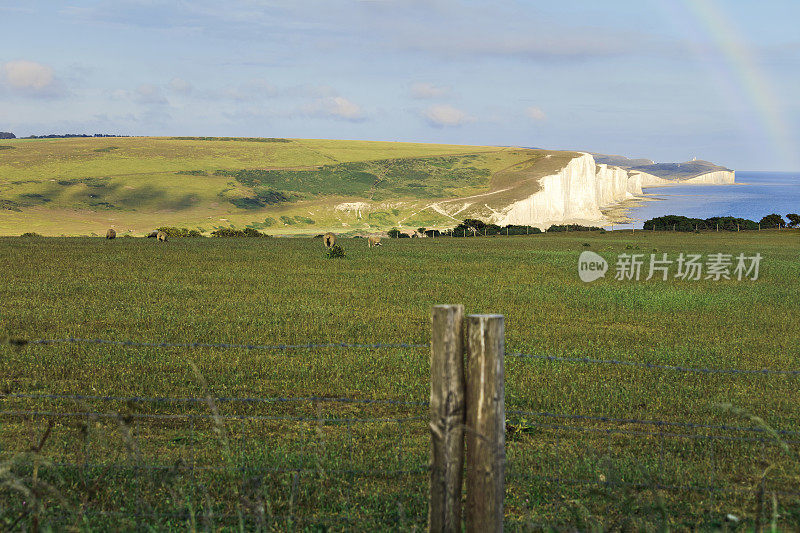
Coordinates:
578	192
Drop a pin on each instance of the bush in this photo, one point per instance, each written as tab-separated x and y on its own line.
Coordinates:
231	232
681	223
571	227
335	251
30	234
172	231
773	221
394	233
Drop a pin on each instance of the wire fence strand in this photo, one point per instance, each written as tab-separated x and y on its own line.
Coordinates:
227	346
653	366
157	399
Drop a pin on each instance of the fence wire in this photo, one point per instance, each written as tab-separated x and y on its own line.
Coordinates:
653	366
227	346
374	346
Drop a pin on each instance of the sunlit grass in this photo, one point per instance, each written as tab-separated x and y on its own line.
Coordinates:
285	291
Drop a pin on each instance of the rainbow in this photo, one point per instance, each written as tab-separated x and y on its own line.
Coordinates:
739	68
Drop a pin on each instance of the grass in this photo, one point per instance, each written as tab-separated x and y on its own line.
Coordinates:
322	472
83	186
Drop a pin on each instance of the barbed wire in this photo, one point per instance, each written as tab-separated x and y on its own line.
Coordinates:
244	469
187	416
652	366
693	425
369	401
276	347
156	399
313	346
697	436
642	485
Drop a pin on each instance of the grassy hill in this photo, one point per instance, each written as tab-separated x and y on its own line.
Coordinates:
673	171
82	186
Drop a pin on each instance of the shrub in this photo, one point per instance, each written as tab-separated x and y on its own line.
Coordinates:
232	232
172	231
335	251
192	173
773	221
30	234
571	227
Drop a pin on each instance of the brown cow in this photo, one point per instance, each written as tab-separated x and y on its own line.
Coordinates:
161	236
329	239
373	240
111	234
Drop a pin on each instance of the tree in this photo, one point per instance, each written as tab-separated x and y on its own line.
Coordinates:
473	223
773	221
794	220
394	233
421	231
7	135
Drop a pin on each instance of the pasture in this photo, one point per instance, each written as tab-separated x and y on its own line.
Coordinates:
79	186
311	464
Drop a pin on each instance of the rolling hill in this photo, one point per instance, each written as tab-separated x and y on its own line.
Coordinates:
82	186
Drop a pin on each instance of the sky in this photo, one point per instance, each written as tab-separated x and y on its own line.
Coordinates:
667	80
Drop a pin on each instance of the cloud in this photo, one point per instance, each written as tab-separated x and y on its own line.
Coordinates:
423	90
179	85
30	78
535	113
249	91
336	107
440	116
149	94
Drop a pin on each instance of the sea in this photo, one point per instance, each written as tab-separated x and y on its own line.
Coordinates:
754	195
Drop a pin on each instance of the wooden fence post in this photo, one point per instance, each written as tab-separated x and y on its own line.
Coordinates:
447	417
486	423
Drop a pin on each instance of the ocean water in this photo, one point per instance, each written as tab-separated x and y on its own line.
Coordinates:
754	195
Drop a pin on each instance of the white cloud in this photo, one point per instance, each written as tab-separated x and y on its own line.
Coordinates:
149	94
535	113
336	107
428	90
441	116
250	91
30	77
179	85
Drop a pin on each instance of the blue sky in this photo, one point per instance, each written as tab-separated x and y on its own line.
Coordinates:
655	79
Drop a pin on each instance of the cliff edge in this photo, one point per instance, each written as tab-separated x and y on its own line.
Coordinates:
578	192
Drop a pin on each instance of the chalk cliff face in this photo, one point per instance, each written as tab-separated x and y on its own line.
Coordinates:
578	192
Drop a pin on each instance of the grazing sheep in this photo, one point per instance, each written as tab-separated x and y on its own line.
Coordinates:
111	234
152	234
329	239
161	236
373	241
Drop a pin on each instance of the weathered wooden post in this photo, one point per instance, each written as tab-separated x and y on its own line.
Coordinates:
486	423
447	417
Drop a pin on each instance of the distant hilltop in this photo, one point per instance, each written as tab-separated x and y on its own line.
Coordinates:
672	171
79	184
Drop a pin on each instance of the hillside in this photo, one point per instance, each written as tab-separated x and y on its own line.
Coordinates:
82	186
670	171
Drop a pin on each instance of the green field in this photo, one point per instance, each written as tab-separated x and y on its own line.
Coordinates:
80	186
186	471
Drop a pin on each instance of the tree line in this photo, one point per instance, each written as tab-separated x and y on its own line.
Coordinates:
70	135
681	223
